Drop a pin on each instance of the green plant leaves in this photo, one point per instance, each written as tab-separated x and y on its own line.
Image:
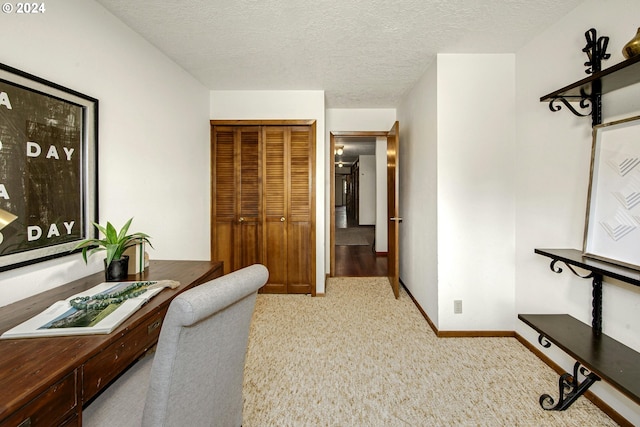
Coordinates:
115	242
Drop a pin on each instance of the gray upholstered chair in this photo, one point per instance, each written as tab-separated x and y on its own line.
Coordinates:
195	376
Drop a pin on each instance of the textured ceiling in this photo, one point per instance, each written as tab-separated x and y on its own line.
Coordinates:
362	53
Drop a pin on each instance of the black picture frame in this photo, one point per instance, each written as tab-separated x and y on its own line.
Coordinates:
48	168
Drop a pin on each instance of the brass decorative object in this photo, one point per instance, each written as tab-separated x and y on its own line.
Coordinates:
632	48
6	218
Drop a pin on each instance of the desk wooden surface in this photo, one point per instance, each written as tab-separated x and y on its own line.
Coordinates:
29	367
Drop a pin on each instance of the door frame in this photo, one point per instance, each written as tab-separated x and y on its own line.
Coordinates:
332	186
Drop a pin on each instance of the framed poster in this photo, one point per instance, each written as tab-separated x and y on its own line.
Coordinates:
48	168
612	230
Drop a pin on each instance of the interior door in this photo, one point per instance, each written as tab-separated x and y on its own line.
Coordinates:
275	204
249	194
224	197
236	227
393	142
300	248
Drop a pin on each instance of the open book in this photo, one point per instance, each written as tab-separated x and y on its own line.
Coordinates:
98	310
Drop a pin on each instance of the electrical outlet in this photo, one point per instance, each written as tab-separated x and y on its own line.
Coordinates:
457	306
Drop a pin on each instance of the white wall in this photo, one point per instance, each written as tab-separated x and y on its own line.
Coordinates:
553	158
289	105
458	159
153	132
418	117
360	119
476	192
367	190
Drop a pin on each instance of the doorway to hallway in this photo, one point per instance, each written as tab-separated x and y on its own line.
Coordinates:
357	204
355	253
386	188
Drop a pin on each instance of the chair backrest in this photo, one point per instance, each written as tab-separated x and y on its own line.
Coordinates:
197	373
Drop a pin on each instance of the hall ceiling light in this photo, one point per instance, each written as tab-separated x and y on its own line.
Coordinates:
339	150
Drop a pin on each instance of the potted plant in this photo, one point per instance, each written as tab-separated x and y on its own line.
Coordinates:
115	243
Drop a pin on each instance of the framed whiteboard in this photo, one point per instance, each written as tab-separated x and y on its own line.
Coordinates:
612	226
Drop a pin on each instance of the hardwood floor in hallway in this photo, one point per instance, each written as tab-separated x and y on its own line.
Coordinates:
359	261
356	260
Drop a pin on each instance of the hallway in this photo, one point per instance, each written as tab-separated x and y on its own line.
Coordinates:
356	260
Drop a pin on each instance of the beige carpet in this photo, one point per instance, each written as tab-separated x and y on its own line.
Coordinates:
358	236
358	357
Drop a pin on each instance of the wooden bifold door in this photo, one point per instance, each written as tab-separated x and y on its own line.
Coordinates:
263	201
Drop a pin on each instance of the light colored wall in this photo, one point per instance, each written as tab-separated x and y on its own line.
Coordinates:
153	132
360	119
457	196
289	105
367	195
553	159
476	192
418	168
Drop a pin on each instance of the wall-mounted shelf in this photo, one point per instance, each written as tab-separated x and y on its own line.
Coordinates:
616	77
597	355
588	91
575	258
602	356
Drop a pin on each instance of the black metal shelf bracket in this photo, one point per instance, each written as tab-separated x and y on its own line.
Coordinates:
569	388
596	50
596	294
543	341
585	102
596	304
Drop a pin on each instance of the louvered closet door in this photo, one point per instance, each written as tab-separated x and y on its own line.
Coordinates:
300	207
275	206
248	243
236	231
263	195
224	196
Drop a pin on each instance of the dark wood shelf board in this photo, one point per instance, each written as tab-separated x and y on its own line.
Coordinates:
615	77
576	258
613	361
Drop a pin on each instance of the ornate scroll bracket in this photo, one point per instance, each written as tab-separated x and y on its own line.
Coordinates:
559	270
569	388
596	301
585	102
543	341
596	50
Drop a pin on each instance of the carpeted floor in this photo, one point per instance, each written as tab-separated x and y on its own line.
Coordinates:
359	357
362	235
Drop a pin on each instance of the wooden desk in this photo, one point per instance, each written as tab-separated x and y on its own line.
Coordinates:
45	381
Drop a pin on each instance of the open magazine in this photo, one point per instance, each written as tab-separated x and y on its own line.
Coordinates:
98	310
